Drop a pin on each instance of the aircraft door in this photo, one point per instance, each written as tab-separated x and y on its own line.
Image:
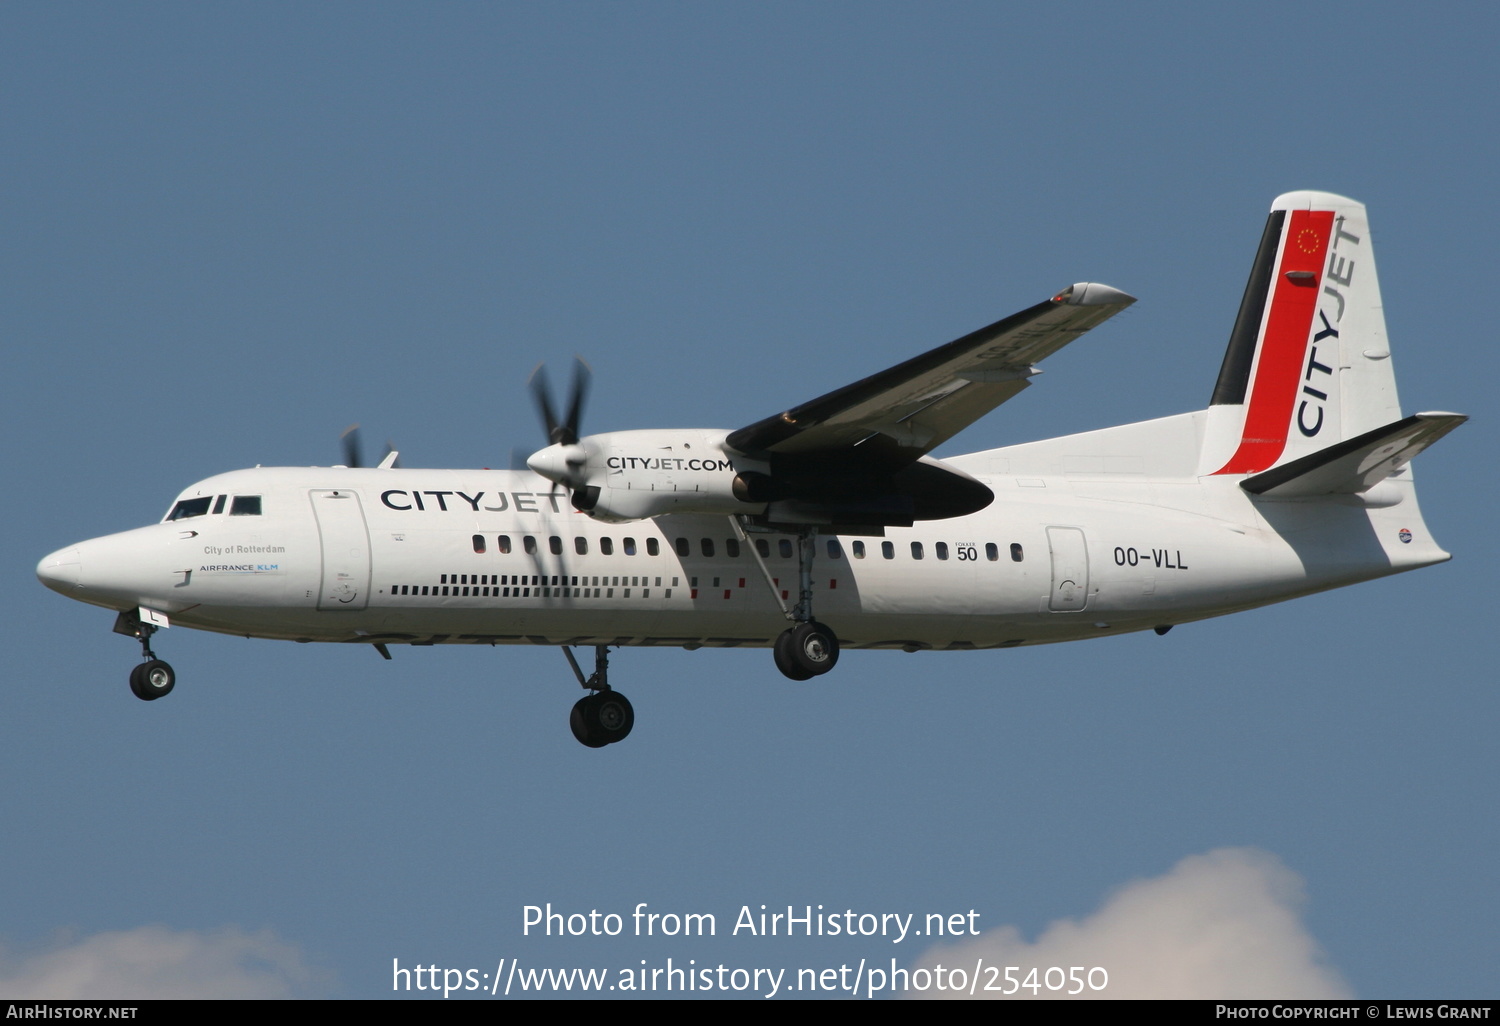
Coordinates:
1070	569
346	549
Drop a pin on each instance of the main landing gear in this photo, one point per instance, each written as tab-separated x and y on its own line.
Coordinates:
603	716
153	678
808	648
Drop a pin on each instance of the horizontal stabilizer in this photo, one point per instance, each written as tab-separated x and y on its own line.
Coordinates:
1357	464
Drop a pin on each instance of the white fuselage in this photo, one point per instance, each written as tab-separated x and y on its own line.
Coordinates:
1072	547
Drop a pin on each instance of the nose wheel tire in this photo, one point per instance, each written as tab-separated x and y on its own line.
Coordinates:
602	719
806	650
151	680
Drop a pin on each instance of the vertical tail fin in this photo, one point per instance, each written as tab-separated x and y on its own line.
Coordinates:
1308	364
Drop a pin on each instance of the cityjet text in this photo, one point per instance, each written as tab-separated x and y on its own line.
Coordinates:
664	463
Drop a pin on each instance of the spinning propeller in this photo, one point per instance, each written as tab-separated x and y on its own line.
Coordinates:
564	461
561	432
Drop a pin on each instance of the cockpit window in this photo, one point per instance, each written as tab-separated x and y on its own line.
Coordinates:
245	506
190	508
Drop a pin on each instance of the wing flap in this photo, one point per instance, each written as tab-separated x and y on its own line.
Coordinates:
902	413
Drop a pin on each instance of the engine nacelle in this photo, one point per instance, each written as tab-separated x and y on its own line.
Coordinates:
620	476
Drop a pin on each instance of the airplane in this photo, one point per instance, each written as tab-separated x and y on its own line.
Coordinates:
1293	480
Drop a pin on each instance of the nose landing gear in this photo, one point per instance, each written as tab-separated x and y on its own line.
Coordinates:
151	680
155	677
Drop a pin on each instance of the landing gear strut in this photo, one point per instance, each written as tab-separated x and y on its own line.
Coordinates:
808	648
154	677
603	716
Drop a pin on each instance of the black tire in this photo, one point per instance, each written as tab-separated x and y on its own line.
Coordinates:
602	719
151	680
611	716
813	647
786	661
579	722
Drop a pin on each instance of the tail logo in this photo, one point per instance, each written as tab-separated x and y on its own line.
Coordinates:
1291	383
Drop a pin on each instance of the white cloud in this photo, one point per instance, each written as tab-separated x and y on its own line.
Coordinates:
157	962
1223	925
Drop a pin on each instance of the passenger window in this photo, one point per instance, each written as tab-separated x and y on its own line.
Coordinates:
859	550
190	508
245	506
219	504
1016	553
555	544
502	545
763	547
683	548
629	546
653	547
834	552
991	551
607	546
784	546
732	548
529	544
888	549
707	545
581	546
941	550
479	544
916	550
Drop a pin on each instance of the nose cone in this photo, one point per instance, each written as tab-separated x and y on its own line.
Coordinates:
123	570
62	571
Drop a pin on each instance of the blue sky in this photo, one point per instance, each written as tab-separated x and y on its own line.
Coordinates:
231	230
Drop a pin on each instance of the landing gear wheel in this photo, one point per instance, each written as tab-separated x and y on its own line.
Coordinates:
806	650
815	647
602	719
151	680
578	721
786	662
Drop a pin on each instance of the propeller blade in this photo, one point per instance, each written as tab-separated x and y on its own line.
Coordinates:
561	431
582	376
350	438
542	394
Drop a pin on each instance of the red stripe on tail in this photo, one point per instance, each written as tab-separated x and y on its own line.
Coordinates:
1278	371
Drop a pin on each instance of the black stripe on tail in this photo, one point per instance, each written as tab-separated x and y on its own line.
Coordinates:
1234	375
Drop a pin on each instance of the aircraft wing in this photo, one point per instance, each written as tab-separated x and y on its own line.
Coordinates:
895	417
